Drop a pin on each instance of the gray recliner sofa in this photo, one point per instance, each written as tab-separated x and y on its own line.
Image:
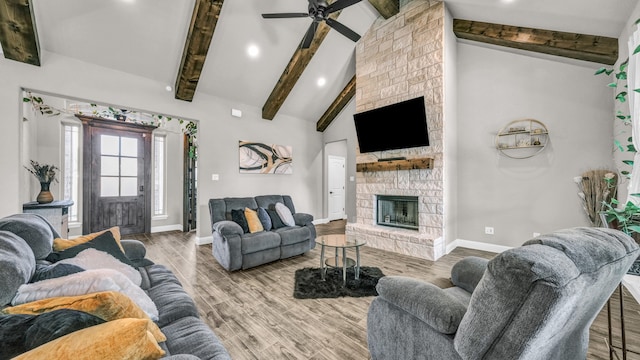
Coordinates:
532	302
234	249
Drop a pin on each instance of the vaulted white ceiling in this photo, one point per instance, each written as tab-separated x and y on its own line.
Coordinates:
146	38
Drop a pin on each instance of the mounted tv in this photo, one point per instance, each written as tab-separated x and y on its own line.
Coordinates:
397	126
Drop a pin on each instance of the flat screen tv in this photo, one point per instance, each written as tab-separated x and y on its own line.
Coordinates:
397	126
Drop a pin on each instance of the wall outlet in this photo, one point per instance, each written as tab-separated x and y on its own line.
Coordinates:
536	234
215	177
488	230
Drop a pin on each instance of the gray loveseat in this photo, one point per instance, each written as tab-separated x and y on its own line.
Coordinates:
234	249
532	302
26	240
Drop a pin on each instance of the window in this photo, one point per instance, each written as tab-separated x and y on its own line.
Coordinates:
118	166
71	175
159	158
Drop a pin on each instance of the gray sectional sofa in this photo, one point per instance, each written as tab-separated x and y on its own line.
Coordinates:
234	249
26	240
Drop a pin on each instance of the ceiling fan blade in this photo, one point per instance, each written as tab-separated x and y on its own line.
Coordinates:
339	5
285	15
342	29
308	37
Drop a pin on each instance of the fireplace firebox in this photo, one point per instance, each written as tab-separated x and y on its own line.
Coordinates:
397	211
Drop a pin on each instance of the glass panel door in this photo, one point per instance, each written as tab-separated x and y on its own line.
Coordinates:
118	166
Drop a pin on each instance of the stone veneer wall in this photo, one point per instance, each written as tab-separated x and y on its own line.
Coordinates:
398	59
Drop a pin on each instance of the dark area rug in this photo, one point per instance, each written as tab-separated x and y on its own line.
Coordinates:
309	284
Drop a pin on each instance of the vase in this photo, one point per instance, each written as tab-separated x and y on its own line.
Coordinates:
45	196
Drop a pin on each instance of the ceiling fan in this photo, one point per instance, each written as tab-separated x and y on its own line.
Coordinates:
319	10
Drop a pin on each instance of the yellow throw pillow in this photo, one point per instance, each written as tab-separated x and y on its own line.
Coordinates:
114	340
63	244
107	305
253	220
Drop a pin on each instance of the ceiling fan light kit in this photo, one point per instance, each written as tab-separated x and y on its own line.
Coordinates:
319	10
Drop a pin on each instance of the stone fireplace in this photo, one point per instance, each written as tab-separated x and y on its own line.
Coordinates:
398	59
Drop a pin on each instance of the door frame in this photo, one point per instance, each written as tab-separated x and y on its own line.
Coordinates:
91	124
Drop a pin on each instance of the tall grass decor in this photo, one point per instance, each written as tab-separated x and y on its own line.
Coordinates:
596	188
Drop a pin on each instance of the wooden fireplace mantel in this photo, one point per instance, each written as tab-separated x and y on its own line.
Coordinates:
408	164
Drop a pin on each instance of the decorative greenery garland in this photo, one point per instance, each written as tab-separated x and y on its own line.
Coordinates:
627	217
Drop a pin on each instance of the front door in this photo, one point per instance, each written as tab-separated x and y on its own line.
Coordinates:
117	177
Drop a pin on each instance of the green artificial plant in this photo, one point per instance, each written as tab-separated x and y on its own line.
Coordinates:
624	217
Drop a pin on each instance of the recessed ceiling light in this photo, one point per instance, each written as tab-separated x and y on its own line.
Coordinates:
321	81
253	51
168	88
128	1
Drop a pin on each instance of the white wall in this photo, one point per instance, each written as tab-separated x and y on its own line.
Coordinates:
219	133
450	137
218	154
343	128
520	197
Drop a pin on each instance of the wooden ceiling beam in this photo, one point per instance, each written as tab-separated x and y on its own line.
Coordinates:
386	8
294	69
203	23
338	104
598	49
301	58
18	35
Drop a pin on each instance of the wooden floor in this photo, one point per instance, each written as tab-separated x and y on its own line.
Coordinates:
255	315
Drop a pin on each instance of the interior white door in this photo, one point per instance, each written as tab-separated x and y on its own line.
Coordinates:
336	184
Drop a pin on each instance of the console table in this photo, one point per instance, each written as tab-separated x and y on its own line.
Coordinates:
56	212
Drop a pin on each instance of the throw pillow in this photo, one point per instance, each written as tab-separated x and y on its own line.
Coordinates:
92	259
50	326
21	333
12	329
237	216
275	219
60	244
285	214
44	272
253	221
86	282
264	218
118	339
17	265
107	305
104	242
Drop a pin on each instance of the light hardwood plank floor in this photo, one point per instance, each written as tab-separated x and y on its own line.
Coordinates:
255	315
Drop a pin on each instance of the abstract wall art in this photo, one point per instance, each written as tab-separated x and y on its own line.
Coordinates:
259	158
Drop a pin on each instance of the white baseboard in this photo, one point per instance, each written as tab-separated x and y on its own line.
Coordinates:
204	240
156	229
326	221
476	245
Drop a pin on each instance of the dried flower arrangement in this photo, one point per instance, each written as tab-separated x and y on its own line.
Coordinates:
44	173
597	188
